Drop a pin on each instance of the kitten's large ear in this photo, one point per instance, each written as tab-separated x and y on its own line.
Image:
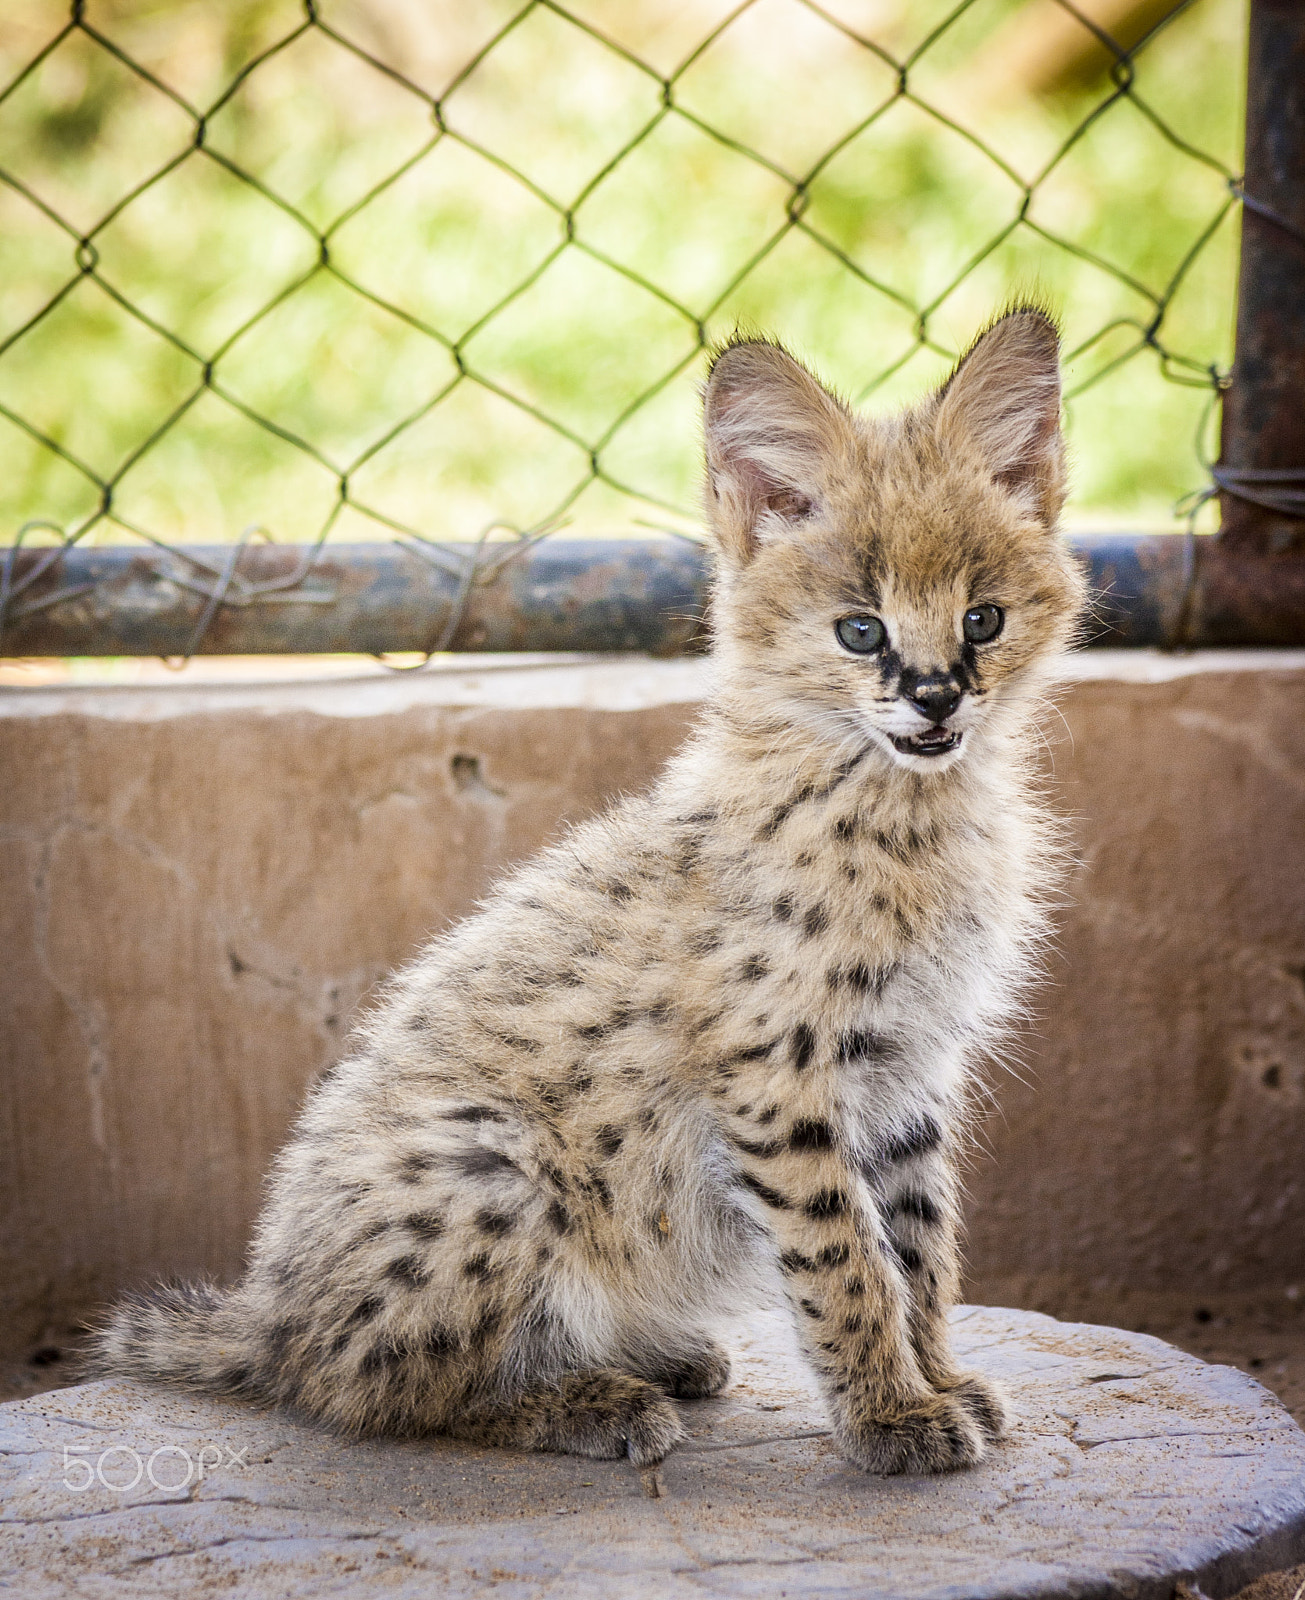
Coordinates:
1003	402
771	431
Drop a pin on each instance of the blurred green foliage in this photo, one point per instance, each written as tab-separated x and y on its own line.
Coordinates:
494	311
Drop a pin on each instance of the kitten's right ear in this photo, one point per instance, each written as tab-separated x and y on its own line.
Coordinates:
770	431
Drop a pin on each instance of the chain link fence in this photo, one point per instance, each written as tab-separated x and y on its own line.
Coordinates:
445	275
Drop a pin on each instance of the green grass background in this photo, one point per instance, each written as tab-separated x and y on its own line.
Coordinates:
450	407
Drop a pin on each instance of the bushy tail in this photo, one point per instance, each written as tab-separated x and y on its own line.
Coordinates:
190	1334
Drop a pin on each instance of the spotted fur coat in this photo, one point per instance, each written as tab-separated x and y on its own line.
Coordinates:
713	1047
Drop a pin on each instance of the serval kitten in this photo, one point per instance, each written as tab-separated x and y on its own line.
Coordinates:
718	1039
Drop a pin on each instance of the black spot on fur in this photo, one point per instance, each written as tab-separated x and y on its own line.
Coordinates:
610	1140
863	1044
479	1267
558	1217
555	1175
552	1096
845	828
833	1255
767	1114
475	1114
916	1205
794	1261
918	1140
384	1355
279	1338
804	1046
754	1052
890	845
782	909
764	1193
780	815
764	1152
425	1224
854	1288
811	1134
514	1041
487	1324
598	1185
483	1163
620	892
365	1311
438	1343
859	977
828	1203
412	1168
815	919
620	1018
811	1308
408	1270
754	968
495	1223
705	942
910	1258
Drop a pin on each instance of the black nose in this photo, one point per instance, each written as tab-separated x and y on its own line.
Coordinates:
936	696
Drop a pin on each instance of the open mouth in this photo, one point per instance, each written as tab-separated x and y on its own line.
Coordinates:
932	742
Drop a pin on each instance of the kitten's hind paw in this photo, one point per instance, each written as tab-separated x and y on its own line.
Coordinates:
984	1400
936	1435
688	1375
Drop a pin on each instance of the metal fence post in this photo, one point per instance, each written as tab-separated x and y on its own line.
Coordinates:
1251	583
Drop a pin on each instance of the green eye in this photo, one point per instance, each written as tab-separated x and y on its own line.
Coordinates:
982	623
863	635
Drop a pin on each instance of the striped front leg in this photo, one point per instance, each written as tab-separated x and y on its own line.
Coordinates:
852	1299
913	1179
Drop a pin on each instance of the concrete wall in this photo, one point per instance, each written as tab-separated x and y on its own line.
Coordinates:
199	884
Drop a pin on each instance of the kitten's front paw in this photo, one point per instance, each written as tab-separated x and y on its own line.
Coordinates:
984	1400
607	1414
935	1435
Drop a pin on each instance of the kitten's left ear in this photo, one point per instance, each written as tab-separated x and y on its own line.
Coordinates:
1003	403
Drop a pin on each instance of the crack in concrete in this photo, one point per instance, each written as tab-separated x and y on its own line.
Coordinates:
326	1539
699	1447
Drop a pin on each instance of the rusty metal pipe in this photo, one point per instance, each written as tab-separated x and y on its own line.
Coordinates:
578	594
1250	579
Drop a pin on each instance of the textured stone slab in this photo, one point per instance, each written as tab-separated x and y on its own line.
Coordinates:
1131	1466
